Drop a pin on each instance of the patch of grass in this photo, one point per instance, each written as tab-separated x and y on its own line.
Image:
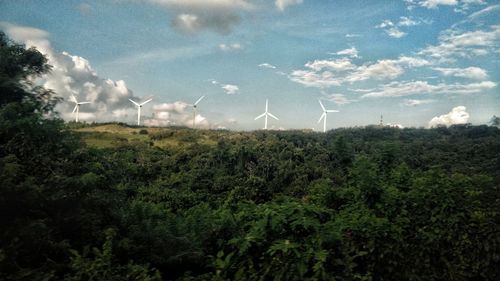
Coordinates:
113	135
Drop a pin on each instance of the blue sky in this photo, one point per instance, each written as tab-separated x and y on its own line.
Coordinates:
412	61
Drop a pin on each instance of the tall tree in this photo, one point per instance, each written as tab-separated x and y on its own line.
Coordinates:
19	68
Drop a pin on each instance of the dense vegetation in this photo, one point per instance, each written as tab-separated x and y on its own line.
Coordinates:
126	203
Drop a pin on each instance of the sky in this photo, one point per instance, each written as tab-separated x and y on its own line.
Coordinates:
419	63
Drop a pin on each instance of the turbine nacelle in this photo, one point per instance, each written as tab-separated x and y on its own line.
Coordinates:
139	105
266	114
194	105
323	116
77	106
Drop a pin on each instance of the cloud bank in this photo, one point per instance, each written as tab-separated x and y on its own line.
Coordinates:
334	72
405	88
73	75
458	115
177	113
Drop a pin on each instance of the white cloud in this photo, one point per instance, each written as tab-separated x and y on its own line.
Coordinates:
465	5
230	89
464	44
309	78
74	75
327	73
458	115
230	47
352	35
267	65
469	72
382	69
177	107
351	52
460	5
205	4
176	114
412	61
187	23
394	32
484	12
401	89
408	21
393	29
335	65
282	4
385	23
432	4
28	35
339	99
394	125
412	102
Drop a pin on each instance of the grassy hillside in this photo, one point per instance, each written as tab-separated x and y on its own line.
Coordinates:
113	135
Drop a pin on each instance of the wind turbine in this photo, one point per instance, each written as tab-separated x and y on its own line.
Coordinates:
139	105
77	106
266	114
323	116
194	109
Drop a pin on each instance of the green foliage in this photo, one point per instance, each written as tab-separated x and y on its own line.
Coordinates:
17	66
278	241
98	265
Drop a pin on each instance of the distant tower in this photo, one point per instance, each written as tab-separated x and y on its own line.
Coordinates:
381	124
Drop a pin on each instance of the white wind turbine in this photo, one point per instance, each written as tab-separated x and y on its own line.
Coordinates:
139	105
77	106
323	116
194	105
266	114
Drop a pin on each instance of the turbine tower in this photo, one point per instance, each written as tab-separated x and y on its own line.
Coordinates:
77	106
323	116
194	105
266	114
139	105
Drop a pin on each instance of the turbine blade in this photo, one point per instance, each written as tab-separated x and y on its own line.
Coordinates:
322	106
84	102
260	116
74	109
134	102
272	116
321	117
146	102
73	98
198	100
332	110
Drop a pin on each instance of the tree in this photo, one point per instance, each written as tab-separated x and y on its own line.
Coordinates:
18	69
495	121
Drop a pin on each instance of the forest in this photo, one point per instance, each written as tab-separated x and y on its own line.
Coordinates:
84	202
